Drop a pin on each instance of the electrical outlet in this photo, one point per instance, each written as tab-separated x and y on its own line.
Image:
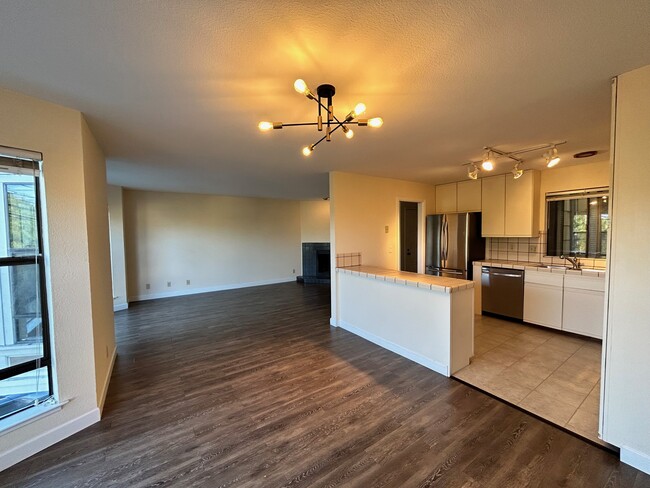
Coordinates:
147	286
512	246
532	248
386	229
169	283
187	282
293	270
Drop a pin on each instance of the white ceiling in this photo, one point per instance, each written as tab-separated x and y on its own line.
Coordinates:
173	90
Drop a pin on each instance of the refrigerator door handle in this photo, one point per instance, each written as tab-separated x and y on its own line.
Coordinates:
445	240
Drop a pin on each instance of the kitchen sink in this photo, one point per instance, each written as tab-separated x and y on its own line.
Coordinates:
554	266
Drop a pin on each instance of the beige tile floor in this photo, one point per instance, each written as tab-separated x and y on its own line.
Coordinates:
551	374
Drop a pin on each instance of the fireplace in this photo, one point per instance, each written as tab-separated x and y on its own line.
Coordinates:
315	262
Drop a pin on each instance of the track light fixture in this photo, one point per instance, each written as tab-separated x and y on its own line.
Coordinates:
551	157
331	123
472	172
492	153
488	163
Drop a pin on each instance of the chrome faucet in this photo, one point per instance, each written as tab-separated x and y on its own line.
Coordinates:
575	262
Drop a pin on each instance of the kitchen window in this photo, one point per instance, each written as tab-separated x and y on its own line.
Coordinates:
578	223
25	360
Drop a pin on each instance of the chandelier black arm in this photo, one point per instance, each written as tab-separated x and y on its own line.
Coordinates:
316	123
327	110
340	124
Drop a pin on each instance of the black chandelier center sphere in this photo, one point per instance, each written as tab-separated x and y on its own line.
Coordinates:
326	91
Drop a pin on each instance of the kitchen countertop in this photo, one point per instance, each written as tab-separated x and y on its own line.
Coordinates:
429	282
498	263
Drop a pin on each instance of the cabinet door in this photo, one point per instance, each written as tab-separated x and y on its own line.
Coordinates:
543	305
522	205
469	196
584	312
493	200
446	198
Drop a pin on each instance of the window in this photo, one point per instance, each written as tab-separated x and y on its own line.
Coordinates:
25	362
578	223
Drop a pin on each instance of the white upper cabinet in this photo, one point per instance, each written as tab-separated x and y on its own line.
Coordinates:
469	196
522	205
493	205
511	207
446	198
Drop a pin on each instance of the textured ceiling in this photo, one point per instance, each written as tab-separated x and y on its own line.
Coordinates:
173	90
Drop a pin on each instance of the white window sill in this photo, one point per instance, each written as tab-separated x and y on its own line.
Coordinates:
27	416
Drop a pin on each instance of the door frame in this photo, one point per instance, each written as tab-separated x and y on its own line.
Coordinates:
422	214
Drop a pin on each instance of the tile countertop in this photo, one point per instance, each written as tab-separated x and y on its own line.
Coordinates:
429	282
496	263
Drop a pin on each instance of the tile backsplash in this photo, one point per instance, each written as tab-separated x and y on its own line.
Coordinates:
529	250
348	259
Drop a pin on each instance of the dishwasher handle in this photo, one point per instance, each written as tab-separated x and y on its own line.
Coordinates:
507	275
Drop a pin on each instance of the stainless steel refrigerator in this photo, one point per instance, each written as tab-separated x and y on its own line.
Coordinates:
453	242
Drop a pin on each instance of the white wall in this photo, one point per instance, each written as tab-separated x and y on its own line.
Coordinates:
216	242
626	389
315	221
118	260
56	131
99	260
361	207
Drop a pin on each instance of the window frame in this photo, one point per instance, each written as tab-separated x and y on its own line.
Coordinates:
38	258
586	194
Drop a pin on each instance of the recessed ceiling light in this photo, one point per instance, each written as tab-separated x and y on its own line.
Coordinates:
585	154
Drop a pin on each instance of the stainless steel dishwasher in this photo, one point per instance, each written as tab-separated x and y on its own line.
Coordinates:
502	291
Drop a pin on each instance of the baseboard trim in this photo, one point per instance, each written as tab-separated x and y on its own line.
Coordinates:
47	439
121	306
333	322
195	291
635	459
397	349
107	380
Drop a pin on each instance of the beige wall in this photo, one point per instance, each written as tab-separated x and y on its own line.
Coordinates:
578	177
315	221
361	208
118	261
56	131
626	379
99	260
215	242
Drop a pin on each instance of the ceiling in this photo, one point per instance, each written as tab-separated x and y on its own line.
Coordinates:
174	90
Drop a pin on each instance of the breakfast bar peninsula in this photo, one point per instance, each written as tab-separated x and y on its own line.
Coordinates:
427	319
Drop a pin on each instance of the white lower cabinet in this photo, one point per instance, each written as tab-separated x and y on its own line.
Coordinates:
543	294
584	305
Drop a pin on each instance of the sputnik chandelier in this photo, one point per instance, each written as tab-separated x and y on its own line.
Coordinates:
332	123
491	154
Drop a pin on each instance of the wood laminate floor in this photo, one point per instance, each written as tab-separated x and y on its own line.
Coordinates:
252	388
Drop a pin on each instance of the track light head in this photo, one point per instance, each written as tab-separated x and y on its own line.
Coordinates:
488	163
552	158
472	172
517	171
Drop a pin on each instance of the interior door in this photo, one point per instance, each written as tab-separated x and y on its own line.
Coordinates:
408	236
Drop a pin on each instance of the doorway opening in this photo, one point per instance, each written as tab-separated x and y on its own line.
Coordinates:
409	235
